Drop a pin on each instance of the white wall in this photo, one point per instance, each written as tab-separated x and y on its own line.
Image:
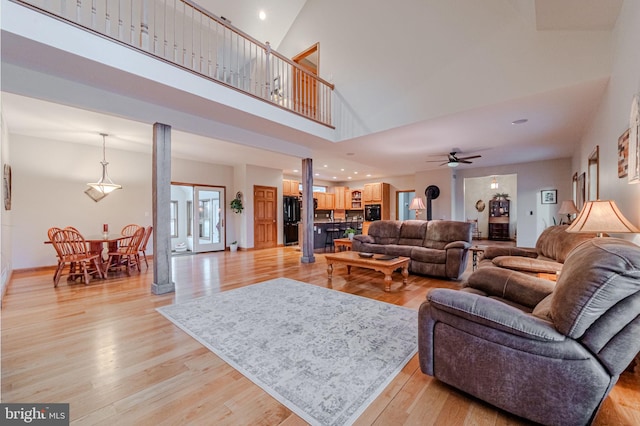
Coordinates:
532	216
5	216
49	182
612	117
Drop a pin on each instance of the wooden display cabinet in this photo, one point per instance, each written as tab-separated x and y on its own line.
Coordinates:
290	188
499	220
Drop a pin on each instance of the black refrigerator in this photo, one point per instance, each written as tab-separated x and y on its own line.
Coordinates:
292	218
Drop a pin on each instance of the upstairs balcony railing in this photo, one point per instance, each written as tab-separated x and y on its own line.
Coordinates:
186	35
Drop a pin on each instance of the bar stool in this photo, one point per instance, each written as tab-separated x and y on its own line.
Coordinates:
330	235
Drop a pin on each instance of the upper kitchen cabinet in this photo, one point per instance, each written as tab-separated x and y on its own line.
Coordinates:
290	188
374	192
340	198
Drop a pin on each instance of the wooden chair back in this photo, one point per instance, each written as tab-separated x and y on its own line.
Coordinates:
145	239
130	229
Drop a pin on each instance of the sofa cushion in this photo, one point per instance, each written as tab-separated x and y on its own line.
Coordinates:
527	264
412	232
428	255
385	231
597	275
441	232
398	250
556	243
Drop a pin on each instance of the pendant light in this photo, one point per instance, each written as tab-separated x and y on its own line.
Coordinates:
105	185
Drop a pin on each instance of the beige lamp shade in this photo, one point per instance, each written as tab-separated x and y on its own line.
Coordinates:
568	207
601	216
417	204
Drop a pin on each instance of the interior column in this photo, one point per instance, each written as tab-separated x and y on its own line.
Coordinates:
307	210
161	188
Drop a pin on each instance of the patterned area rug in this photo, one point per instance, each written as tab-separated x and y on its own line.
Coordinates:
324	354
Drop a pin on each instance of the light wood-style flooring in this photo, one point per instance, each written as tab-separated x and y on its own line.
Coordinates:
105	350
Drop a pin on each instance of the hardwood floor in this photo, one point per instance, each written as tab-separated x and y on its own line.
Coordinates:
105	350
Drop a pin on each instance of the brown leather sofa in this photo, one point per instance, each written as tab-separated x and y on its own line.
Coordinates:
543	351
552	248
436	247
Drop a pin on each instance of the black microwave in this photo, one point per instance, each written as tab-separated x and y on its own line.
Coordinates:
372	212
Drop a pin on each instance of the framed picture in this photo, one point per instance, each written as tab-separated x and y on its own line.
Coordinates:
623	154
580	191
633	175
549	196
6	185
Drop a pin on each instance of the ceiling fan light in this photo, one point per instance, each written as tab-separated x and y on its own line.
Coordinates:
452	164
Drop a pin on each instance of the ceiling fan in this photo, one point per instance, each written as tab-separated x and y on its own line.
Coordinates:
454	161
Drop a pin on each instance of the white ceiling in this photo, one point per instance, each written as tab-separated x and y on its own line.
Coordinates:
556	117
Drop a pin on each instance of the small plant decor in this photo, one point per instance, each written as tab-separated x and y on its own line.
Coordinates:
236	204
349	231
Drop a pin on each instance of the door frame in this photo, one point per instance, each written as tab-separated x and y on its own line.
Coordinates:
223	219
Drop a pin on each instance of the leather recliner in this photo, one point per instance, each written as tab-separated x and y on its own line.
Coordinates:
548	353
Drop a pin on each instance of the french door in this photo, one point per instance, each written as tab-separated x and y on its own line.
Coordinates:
208	218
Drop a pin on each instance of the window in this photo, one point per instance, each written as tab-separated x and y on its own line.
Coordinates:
189	218
174	219
319	188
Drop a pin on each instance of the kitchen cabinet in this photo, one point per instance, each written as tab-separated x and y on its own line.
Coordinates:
340	199
355	199
499	220
325	200
290	188
373	192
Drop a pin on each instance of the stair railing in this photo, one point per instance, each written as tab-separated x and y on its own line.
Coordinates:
188	36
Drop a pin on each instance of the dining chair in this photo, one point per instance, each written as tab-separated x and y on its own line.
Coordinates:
72	248
143	244
50	233
127	256
128	231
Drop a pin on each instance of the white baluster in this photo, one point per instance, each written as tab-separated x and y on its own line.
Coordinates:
144	25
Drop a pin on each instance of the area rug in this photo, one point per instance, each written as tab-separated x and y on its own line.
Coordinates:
324	354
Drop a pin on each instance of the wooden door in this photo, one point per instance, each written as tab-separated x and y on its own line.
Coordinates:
265	225
305	91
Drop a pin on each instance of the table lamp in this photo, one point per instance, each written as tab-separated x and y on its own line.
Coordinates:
568	207
417	204
602	216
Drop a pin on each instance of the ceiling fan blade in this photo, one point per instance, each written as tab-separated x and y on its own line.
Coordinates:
434	161
469	158
465	162
446	162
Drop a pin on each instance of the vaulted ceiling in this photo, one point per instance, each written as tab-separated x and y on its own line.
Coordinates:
416	79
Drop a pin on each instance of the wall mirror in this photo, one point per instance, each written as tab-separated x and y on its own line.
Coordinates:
594	175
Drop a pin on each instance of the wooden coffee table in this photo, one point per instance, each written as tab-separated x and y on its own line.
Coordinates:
351	258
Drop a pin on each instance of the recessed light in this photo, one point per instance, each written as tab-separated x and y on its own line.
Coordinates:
262	15
317	174
325	166
520	121
368	175
295	170
349	177
355	173
335	177
342	170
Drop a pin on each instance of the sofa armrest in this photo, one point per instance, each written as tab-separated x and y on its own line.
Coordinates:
514	286
494	314
495	251
367	239
457	244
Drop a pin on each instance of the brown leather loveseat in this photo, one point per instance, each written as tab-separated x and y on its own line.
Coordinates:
436	247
